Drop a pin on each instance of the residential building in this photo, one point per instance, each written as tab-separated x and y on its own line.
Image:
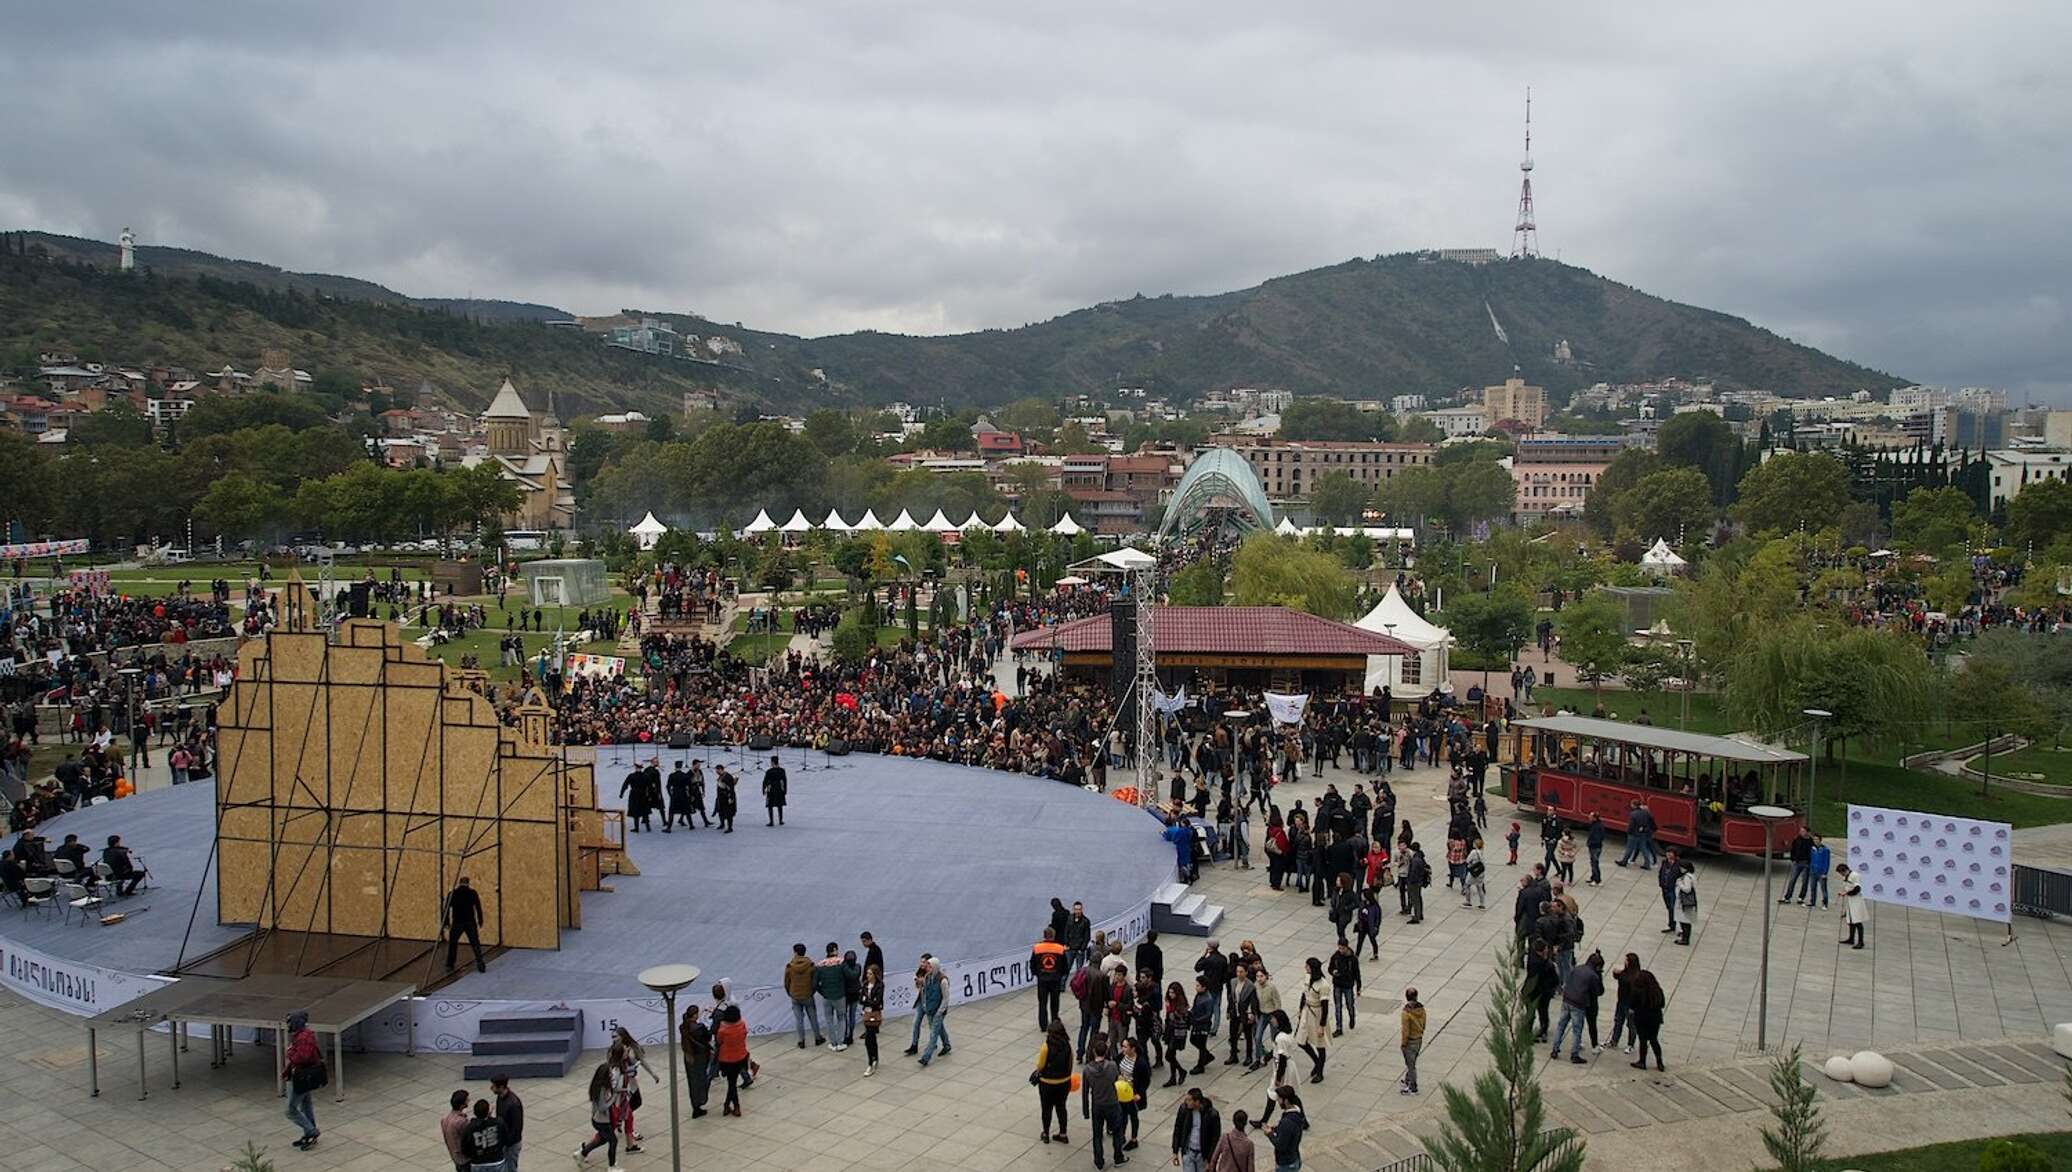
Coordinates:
1407	404
648	337
2009	472
1516	399
1001	445
2057	429
623	423
1289	469
1111	493
1460	422
164	411
1555	473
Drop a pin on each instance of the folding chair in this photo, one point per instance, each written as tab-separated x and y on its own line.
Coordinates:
78	899
65	868
38	893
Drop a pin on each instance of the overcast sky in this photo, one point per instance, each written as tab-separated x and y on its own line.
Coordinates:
1886	181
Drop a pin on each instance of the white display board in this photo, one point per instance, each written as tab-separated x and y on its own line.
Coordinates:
1933	861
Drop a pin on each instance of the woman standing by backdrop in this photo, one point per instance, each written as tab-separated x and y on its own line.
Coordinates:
730	1042
873	1001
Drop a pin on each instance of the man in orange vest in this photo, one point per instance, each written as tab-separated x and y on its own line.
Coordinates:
1049	964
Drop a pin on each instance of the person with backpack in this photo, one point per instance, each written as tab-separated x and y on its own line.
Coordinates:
1417	875
1090	989
1579	992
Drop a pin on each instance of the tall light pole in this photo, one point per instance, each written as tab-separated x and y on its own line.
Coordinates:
1770	817
1813	782
1684	646
668	979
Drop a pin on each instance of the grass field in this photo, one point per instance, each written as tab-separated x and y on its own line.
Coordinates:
1664	708
2037	763
483	642
2056	1147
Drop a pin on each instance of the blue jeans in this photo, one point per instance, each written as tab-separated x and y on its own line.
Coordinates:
1819	883
1574	1015
1106	1118
801	1012
1342	1006
1596	857
1799	872
834	1015
1089	1025
920	1021
300	1113
936	1033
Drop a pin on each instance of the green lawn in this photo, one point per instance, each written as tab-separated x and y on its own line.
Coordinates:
153	580
483	642
2037	762
1959	1157
1665	709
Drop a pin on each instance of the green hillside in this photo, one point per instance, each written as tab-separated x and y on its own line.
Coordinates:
1363	329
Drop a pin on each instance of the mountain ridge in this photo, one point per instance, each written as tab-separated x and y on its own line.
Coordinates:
1403	323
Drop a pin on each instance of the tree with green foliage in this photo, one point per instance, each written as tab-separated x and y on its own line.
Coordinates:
27	494
1200	584
118	425
1419	430
1627	469
1792	491
1491	626
1501	1125
831	431
1675	504
1991	700
1705	442
1936	521
1876	683
1594	639
242	505
1337	499
1796	1142
2039	515
1310	418
1072	440
855	636
948	433
1279	571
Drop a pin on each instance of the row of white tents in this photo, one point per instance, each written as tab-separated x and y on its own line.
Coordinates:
650	530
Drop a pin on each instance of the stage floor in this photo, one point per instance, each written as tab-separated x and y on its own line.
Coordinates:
928	857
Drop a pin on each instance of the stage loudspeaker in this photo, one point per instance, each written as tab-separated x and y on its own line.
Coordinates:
760	743
356	600
1122	635
679	740
838	748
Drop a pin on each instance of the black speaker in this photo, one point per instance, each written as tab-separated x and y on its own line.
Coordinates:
356	600
1122	635
759	743
838	748
679	740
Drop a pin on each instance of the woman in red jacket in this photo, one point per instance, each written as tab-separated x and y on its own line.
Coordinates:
730	1043
304	1073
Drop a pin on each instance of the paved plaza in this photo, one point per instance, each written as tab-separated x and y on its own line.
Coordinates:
1962	1008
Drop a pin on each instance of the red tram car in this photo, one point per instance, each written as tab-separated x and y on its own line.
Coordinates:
1698	787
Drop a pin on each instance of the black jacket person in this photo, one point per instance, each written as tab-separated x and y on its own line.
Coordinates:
464	918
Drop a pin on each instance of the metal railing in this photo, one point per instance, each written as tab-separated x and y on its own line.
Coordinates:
2043	893
1417	1163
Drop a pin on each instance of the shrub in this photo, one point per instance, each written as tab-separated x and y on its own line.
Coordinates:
2006	1155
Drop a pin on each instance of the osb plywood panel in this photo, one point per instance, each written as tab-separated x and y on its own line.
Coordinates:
531	917
241	881
531	789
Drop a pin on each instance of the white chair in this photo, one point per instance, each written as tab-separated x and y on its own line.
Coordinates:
78	899
99	800
38	893
64	867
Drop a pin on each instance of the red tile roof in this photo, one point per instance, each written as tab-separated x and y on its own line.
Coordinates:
1222	630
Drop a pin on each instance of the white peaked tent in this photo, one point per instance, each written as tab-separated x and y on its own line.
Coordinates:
870	521
649	531
1286	528
903	523
1401	674
1126	558
834	522
761	524
1660	560
1067	527
798	523
939	524
973	521
1009	525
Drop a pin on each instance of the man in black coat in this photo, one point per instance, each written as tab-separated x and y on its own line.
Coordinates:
679	799
1196	1128
1151	958
464	917
634	791
775	786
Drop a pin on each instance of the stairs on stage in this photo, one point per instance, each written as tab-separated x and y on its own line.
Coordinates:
526	1043
1175	909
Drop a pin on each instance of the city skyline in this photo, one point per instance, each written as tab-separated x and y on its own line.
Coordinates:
1879	187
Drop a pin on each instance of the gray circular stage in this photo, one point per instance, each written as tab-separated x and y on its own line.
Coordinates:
954	861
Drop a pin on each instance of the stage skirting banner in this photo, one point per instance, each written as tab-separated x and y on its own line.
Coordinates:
70	985
44	549
1933	861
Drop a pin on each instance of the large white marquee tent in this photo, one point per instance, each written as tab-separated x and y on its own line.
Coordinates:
1418	673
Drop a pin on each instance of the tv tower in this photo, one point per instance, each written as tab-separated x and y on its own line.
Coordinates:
1525	238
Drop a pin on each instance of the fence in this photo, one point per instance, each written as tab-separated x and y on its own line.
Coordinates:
2042	893
1417	1163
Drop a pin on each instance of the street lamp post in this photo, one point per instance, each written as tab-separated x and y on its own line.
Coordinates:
668	979
1684	646
130	676
1813	781
1770	816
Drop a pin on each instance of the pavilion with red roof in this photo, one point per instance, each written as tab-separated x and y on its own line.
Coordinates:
1245	646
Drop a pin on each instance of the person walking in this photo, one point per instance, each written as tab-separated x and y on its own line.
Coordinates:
798	985
1197	1127
1367	924
1090	989
775	786
603	1097
1234	1150
1594	839
463	918
1052	1079
1542	981
1474	886
1417	875
1269	997
510	1120
1412	1031
1178	1012
696	1038
1345	905
1201	1023
1132	1089
629	1059
1098	1102
1666	876
304	1072
1287	1134
730	1046
935	1000
1344	968
1856	908
1244	1015
1686	902
1650	1004
1314	1013
1640	826
1565	856
1579	992
1622	1002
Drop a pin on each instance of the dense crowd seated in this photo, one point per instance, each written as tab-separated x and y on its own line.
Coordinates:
80	623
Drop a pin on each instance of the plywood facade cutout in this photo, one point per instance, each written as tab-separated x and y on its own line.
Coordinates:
359	779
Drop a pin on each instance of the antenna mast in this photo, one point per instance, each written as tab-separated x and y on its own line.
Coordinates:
1525	238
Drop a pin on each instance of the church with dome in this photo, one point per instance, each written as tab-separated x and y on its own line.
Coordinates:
531	450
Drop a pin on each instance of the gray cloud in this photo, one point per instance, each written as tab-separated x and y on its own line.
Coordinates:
1882	181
